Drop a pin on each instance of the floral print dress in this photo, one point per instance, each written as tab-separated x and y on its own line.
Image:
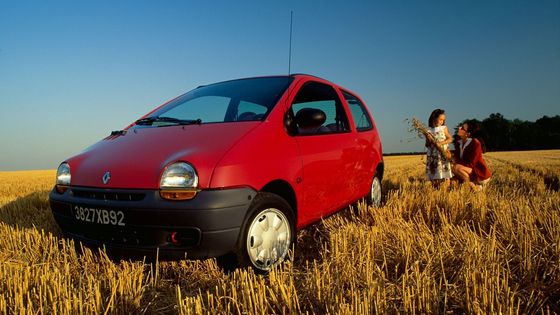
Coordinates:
437	167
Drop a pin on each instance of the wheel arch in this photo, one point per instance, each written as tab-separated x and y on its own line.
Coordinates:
284	190
380	169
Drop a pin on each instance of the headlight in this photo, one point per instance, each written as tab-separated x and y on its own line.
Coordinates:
178	182
63	177
179	175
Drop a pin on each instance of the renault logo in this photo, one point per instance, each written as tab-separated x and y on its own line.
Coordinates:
106	177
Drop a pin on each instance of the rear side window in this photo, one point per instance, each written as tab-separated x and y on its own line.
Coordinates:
323	97
358	112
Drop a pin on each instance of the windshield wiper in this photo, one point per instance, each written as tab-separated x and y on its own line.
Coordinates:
145	121
189	121
151	120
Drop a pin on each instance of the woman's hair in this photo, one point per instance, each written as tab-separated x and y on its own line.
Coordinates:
475	131
434	115
472	127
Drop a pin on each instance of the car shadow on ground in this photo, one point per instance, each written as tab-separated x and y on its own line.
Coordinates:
311	241
314	240
31	211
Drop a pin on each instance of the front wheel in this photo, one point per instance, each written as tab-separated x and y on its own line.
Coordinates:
268	233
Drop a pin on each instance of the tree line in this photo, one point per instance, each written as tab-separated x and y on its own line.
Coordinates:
501	134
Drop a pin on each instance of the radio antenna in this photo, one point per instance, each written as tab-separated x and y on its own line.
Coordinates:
290	53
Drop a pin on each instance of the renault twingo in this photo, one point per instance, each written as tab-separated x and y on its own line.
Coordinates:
234	168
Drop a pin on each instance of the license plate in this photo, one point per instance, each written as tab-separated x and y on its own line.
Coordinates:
99	216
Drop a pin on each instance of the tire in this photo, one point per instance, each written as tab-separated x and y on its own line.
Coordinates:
375	192
268	233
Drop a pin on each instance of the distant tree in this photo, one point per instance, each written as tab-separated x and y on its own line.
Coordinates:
525	135
500	134
497	131
551	129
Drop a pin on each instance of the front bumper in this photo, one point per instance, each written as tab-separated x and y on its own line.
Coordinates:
206	226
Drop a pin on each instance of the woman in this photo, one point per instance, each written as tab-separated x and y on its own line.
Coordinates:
469	166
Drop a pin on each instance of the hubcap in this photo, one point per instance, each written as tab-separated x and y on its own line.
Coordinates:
375	192
268	239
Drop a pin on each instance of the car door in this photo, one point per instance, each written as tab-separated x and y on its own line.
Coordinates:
365	144
327	152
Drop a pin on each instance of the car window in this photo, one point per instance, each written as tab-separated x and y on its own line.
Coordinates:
324	98
358	112
206	108
250	111
229	101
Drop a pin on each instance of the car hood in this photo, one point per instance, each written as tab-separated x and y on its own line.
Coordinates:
136	159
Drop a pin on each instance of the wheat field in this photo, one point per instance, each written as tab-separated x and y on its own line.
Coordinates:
426	250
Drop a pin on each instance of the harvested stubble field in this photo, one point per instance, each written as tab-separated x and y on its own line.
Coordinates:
424	251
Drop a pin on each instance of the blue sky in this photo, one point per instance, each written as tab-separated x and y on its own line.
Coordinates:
72	71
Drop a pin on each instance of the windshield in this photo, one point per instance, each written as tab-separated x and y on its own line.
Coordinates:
230	101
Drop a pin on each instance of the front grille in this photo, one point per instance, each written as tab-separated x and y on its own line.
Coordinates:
106	195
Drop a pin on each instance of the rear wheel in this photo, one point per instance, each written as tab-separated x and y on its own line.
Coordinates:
268	233
375	192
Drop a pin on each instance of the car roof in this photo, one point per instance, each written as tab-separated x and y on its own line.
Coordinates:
294	75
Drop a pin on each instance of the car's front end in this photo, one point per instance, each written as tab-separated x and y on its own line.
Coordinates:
143	222
146	190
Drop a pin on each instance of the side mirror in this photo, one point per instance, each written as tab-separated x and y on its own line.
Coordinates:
310	118
290	123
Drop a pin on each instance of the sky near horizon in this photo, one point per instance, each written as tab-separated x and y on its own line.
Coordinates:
73	71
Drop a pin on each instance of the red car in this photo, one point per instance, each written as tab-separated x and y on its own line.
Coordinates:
229	169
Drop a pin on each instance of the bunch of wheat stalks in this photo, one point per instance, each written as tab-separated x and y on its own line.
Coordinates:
423	132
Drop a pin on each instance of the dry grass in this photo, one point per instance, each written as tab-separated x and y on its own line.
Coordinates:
425	251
